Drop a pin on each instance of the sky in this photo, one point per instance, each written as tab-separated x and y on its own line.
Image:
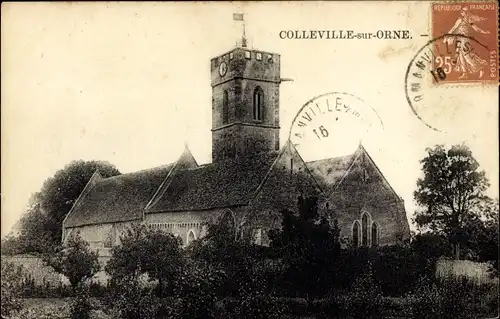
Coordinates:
129	83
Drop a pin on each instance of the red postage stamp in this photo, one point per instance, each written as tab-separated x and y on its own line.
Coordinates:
468	41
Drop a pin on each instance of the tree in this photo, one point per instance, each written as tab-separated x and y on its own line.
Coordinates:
221	252
485	243
450	192
143	250
59	193
225	265
33	237
74	260
309	247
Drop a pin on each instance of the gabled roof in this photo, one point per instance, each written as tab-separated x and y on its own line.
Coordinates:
116	199
187	186
225	183
329	172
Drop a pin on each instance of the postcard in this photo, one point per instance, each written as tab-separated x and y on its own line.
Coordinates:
378	119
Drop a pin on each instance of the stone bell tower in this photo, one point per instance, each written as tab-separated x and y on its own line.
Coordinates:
245	103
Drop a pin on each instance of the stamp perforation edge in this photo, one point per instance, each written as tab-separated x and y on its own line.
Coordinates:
469	84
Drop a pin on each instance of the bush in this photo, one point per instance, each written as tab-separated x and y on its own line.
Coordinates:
44	311
12	280
198	293
446	298
259	306
486	303
81	305
74	259
131	300
147	252
365	298
326	308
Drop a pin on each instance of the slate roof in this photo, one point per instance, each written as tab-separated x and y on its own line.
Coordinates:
227	183
328	172
118	198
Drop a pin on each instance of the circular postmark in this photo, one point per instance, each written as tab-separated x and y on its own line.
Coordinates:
333	124
438	74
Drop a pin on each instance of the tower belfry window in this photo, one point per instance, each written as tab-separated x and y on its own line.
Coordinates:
258	104
225	108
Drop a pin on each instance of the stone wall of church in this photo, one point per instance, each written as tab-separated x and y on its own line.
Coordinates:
243	140
188	225
366	192
101	237
287	181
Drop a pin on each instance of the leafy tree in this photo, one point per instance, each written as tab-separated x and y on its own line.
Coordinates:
450	192
59	193
220	252
222	265
309	247
33	237
142	250
10	245
485	243
74	260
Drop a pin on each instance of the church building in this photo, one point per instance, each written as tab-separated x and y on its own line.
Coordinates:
251	178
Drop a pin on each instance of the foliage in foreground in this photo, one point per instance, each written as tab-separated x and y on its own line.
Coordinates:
11	287
309	248
75	260
147	252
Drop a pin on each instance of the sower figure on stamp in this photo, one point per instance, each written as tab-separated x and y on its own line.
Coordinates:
466	60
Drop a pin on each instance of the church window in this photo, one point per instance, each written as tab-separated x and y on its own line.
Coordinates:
364	229
247	54
190	237
355	234
258	103
258	56
231	55
257	236
375	235
108	242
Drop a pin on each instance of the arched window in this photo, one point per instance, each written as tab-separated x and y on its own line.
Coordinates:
364	229
225	108
375	236
257	236
110	238
258	103
227	224
355	234
191	236
228	219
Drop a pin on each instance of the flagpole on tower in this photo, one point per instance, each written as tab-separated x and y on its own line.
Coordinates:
239	17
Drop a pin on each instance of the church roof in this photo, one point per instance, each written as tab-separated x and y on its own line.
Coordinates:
226	183
118	198
186	186
329	171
